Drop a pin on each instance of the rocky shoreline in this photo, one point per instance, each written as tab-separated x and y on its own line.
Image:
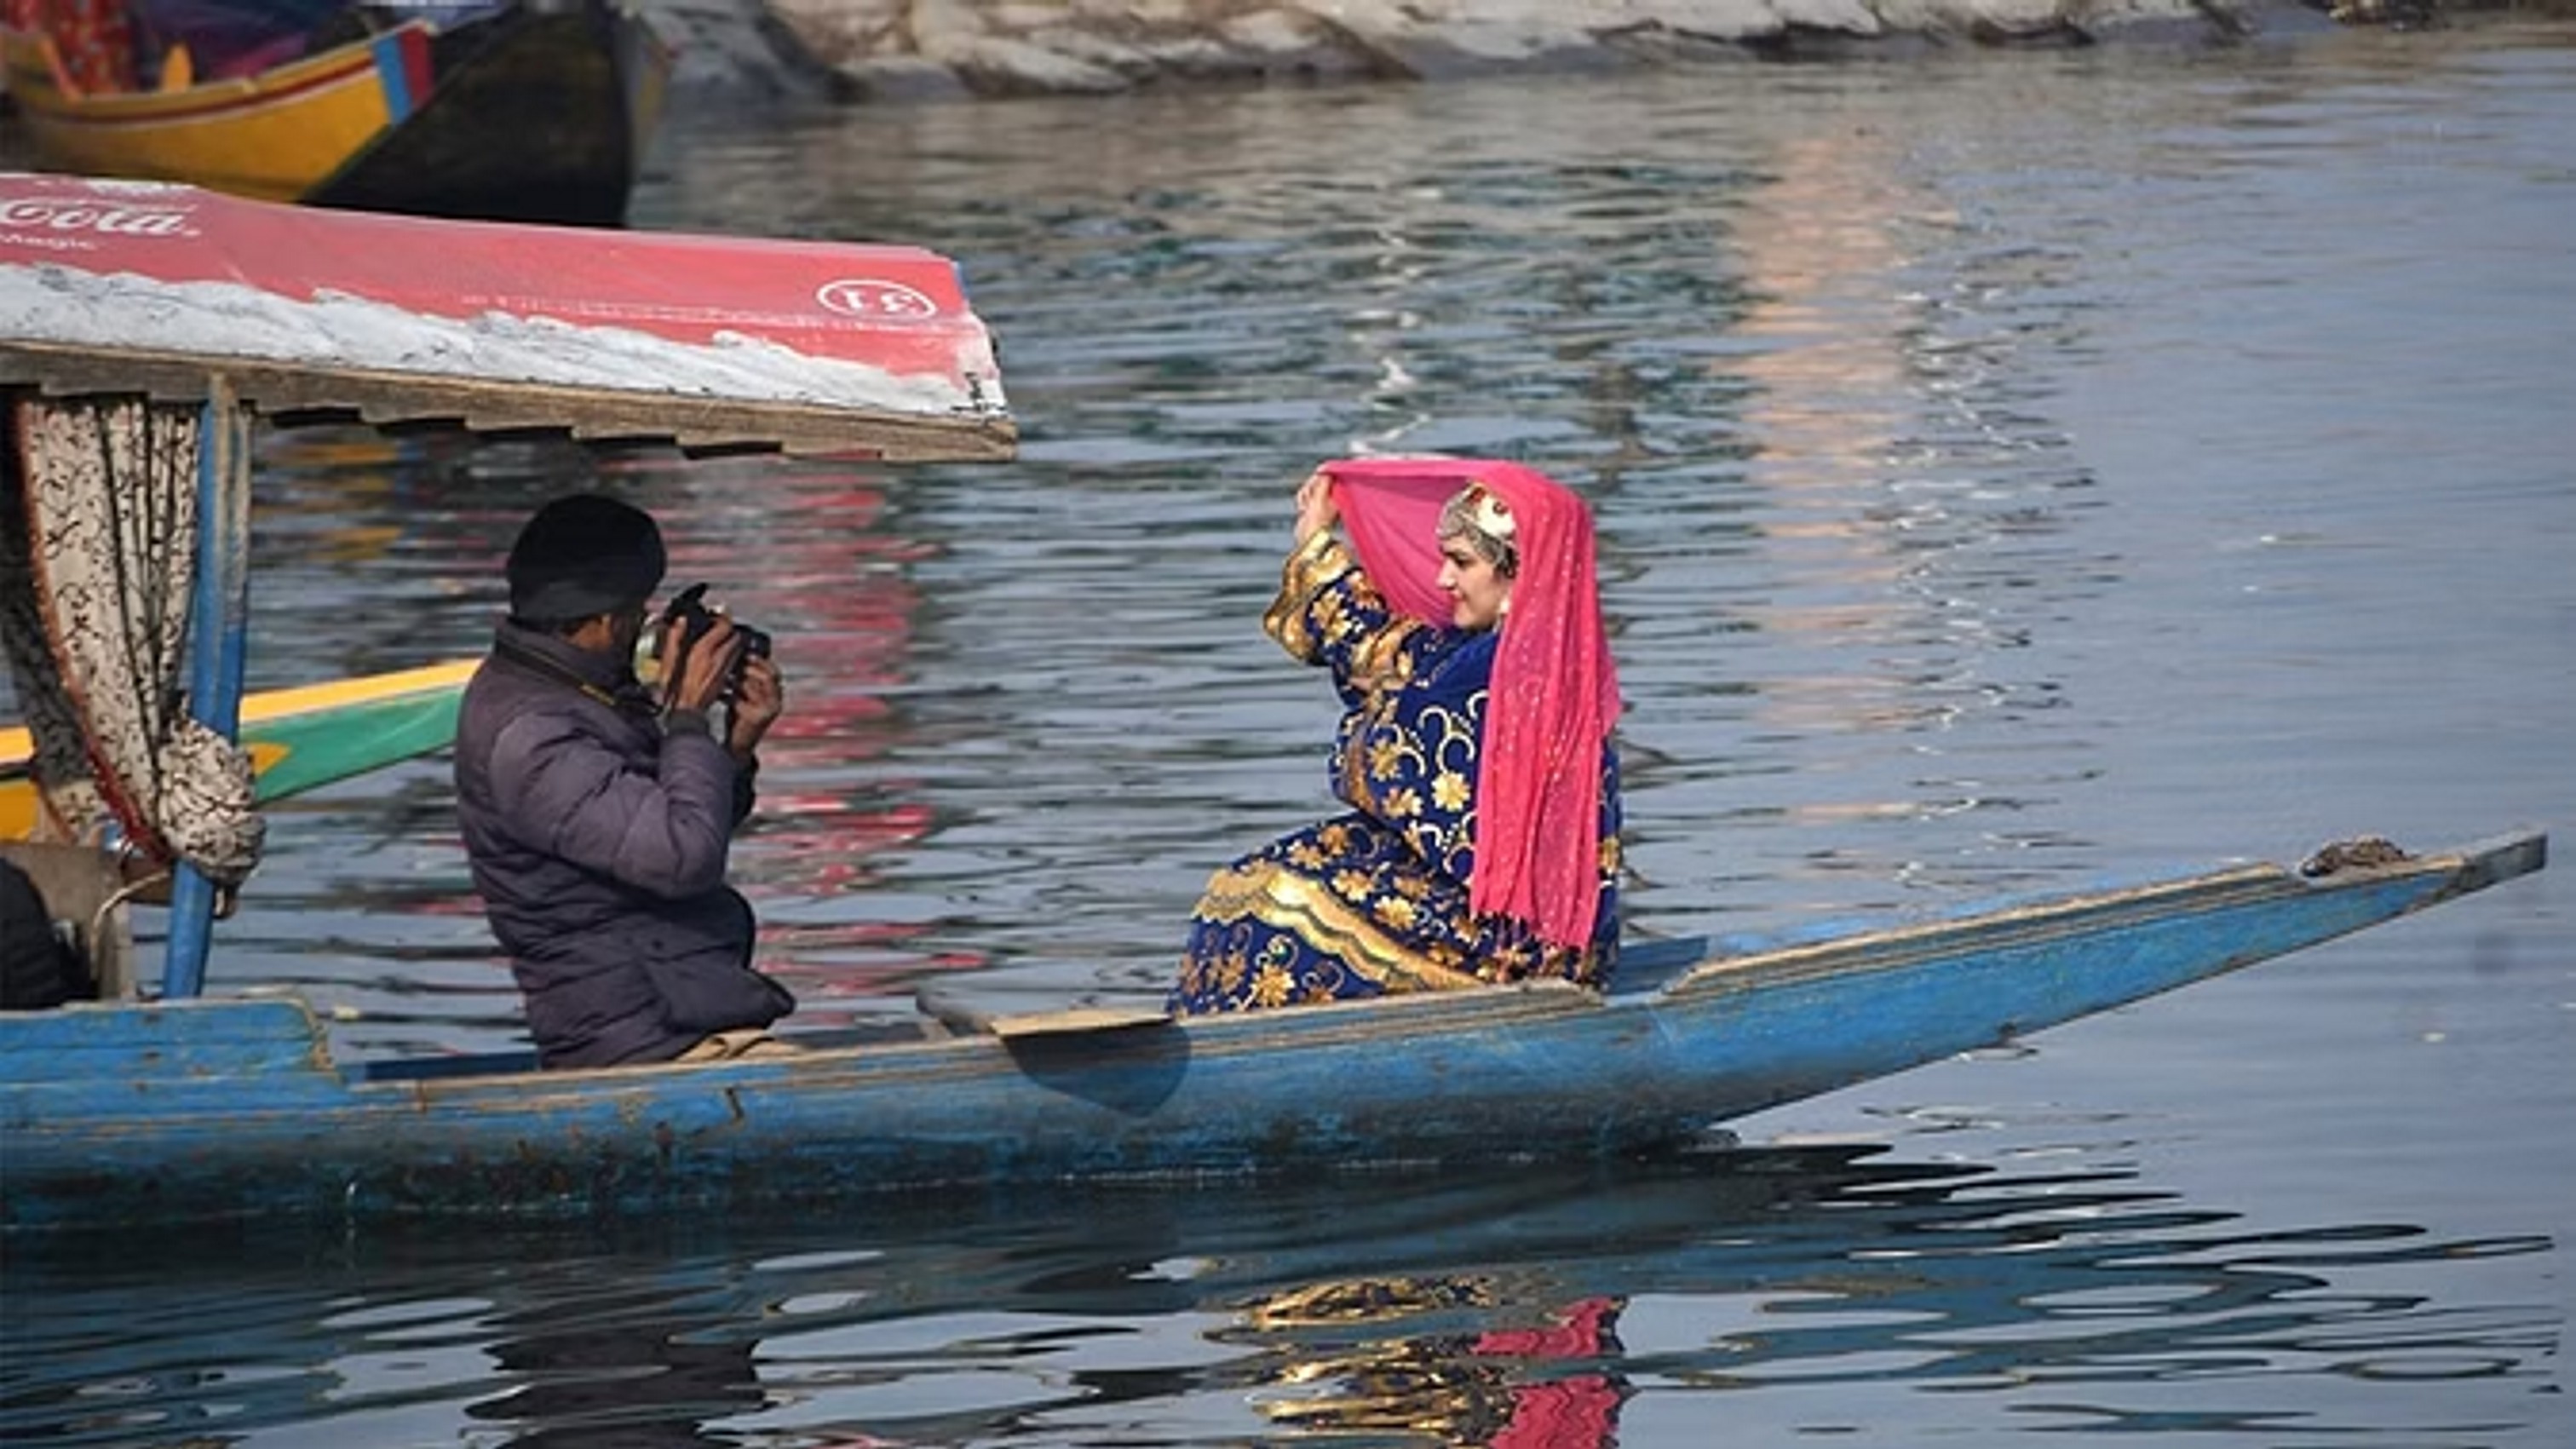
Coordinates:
750	52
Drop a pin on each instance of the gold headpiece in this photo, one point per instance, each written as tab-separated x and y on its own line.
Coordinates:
1486	522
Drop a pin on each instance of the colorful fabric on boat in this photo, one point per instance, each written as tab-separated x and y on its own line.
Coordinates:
93	39
1558	690
1377	901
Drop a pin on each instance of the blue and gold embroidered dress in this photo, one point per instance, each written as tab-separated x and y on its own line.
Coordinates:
1375	901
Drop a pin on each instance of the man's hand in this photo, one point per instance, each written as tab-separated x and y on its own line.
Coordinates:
698	684
757	707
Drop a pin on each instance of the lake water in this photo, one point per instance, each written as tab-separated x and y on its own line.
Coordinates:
2012	471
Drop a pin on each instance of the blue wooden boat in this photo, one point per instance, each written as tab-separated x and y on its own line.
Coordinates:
236	1107
176	1106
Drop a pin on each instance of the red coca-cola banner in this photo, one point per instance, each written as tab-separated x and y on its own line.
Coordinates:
178	269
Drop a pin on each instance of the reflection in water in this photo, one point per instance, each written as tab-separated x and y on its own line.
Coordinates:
1547	1309
1922	506
595	1372
1361	1358
818	555
1821	245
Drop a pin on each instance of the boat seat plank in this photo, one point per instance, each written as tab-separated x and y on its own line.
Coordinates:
969	1017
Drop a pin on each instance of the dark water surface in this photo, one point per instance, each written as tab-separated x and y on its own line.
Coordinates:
2012	471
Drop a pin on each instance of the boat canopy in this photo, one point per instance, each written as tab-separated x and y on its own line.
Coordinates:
143	327
710	343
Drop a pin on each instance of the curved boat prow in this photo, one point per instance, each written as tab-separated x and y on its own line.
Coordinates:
2491	862
1773	1025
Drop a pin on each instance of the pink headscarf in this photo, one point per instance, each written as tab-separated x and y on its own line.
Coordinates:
1554	694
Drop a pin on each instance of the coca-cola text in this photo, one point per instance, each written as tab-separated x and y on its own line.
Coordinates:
39	214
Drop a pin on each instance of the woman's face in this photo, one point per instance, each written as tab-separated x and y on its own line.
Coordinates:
1476	590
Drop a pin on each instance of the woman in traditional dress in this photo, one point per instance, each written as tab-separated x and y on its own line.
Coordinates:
1462	625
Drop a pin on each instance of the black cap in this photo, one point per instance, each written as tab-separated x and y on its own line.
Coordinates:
582	555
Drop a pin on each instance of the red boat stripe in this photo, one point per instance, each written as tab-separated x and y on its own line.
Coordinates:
402	58
357	65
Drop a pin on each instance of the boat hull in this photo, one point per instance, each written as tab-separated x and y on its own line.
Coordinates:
272	137
546	123
231	1108
300	739
525	116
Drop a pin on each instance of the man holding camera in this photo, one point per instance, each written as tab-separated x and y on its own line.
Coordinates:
597	812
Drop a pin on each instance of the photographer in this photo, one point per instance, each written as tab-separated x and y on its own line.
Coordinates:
597	813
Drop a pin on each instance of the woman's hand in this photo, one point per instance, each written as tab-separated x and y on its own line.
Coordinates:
1316	510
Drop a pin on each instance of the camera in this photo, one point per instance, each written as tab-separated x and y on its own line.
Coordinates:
687	617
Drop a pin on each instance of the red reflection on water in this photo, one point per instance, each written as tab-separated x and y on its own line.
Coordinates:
387	553
815	555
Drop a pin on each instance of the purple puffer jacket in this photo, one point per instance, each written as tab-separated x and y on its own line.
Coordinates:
598	838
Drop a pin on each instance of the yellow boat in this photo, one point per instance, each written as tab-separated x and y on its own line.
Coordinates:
514	113
299	738
276	136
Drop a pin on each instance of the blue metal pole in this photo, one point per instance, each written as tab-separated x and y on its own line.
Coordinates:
218	630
